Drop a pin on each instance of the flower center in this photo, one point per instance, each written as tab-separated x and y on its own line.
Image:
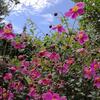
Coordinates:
80	36
96	66
7	31
75	8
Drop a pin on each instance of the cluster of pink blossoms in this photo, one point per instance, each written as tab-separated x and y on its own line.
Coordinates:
92	72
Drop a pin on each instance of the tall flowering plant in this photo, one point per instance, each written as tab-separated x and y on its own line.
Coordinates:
63	66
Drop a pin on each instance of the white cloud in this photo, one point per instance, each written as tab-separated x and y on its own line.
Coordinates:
48	17
33	6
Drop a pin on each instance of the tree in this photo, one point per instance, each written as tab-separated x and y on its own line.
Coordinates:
6	6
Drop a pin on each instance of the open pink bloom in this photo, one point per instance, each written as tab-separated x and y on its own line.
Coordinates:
45	81
59	28
87	73
44	54
97	81
7	32
77	10
70	61
50	96
18	45
8	76
35	74
54	56
94	67
82	37
25	63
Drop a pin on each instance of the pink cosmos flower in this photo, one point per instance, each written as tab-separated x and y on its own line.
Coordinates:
45	81
59	28
25	63
97	81
87	73
44	54
8	76
35	74
7	32
54	56
95	65
77	10
70	61
50	96
82	37
18	45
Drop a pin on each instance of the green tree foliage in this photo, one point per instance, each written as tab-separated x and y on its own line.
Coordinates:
6	6
91	20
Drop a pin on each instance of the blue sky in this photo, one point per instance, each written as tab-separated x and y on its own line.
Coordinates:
40	11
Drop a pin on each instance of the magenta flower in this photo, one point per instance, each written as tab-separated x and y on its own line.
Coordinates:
32	92
50	96
54	56
63	98
18	45
44	54
77	10
45	81
94	67
63	69
35	74
97	81
7	32
18	86
10	96
59	28
82	37
87	73
7	76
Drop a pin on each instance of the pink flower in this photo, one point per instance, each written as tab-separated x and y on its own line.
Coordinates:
63	98
50	96
54	56
32	92
63	69
10	96
82	37
25	63
70	61
18	45
95	65
7	32
87	72
18	86
35	74
44	54
13	68
77	10
45	81
8	76
97	81
59	28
